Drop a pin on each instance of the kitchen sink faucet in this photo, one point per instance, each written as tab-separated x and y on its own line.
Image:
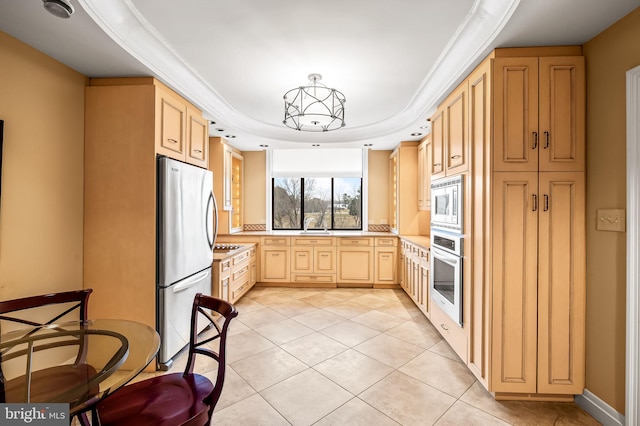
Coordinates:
307	221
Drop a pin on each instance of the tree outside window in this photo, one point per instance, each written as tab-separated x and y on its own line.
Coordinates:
329	203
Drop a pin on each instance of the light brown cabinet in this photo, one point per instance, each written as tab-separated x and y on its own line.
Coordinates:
524	284
226	163
313	260
539	114
128	121
355	261
221	279
386	260
450	135
197	152
274	259
539	249
424	174
403	209
415	274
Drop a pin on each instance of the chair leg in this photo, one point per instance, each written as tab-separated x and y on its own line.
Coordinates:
83	419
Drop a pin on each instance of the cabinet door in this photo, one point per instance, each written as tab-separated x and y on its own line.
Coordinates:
236	179
479	230
561	283
456	133
324	260
393	186
170	125
197	138
424	284
275	264
562	113
302	260
385	264
355	265
437	144
424	174
515	258
516	138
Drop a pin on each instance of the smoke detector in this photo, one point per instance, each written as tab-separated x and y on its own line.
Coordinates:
59	8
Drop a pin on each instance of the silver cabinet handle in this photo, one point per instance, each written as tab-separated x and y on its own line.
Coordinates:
535	140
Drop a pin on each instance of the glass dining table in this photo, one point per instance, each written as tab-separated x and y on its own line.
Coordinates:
77	363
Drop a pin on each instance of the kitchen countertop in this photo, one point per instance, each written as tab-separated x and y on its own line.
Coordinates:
313	233
421	240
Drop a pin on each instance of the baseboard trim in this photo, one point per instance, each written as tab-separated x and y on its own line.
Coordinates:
599	409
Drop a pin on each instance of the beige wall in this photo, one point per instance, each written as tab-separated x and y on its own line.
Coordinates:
255	175
42	104
378	187
608	57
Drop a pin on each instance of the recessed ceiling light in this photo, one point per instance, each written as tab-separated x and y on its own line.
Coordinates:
219	130
316	144
212	122
368	144
264	145
416	134
426	126
59	8
229	136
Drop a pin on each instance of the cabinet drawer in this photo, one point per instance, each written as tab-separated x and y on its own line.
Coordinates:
386	242
238	290
313	241
238	274
241	257
356	242
275	241
451	331
306	278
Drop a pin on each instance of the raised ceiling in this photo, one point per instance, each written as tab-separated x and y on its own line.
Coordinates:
394	61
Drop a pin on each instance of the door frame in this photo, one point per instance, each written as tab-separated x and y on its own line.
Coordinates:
632	407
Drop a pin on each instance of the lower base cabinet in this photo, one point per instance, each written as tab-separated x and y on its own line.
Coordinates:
355	261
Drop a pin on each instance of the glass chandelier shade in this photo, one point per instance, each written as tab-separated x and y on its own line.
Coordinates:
314	108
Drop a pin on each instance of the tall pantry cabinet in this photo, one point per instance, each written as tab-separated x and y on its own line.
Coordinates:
128	121
524	221
538	225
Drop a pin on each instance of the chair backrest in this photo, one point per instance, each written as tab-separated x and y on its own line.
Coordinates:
221	315
69	301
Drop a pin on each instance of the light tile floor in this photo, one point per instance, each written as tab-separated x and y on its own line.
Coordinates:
354	357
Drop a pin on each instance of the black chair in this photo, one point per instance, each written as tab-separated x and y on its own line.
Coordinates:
177	398
17	313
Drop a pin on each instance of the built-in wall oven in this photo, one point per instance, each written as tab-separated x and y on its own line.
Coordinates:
446	272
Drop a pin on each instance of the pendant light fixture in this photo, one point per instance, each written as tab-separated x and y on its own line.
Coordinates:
59	8
314	108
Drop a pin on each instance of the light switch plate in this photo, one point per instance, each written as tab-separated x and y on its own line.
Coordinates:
610	220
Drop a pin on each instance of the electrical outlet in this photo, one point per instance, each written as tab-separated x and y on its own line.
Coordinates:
610	220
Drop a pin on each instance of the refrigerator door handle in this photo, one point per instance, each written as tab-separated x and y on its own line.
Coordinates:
188	283
210	202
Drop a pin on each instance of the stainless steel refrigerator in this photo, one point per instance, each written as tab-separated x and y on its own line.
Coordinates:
187	228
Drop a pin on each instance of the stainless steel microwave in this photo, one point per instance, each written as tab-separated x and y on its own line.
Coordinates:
447	204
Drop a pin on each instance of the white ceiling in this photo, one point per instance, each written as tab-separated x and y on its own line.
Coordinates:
394	61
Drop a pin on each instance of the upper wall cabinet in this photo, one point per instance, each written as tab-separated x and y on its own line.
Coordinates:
226	162
450	135
539	114
403	172
197	151
181	131
424	174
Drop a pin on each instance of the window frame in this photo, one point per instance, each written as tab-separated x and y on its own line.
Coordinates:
302	213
